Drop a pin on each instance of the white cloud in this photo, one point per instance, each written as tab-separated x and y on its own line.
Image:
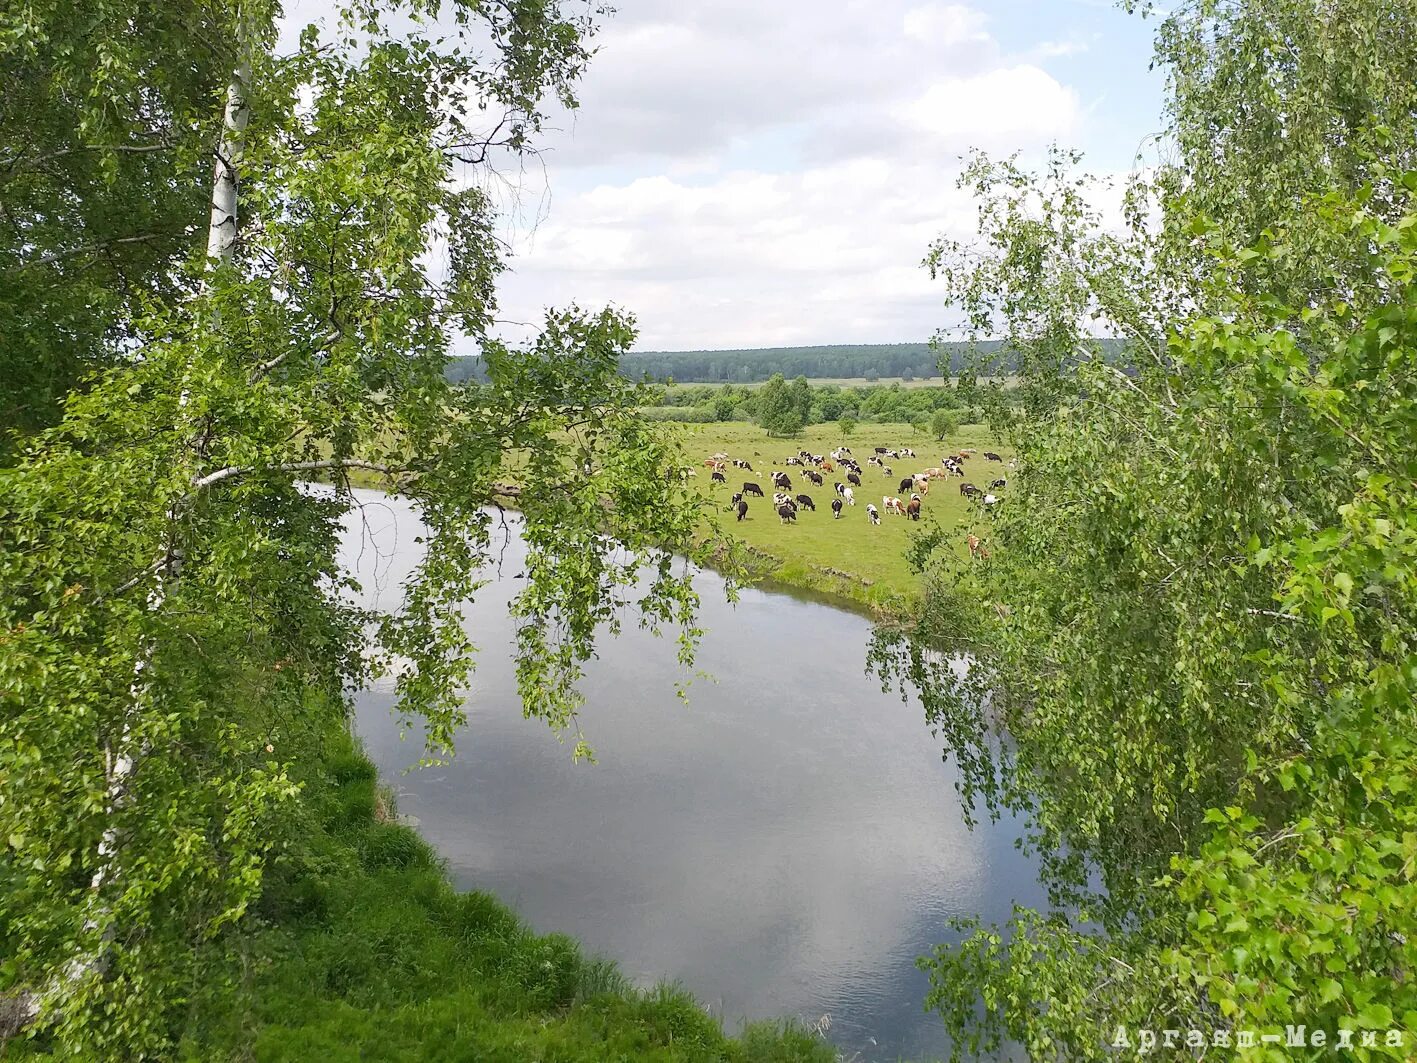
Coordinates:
1014	107
742	173
947	24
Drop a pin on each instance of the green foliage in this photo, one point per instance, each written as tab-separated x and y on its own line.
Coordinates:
778	408
943	423
172	595
1199	616
846	425
104	172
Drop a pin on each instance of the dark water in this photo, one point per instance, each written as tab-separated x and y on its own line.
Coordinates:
785	845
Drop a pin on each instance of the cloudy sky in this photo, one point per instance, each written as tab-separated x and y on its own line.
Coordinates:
750	173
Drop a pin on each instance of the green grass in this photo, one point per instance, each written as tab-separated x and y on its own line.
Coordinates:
366	952
848	557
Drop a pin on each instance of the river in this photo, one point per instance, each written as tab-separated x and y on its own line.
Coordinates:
785	845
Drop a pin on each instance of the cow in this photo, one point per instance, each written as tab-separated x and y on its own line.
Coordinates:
853	479
849	495
913	509
907	453
873	513
781	479
839	487
737	497
787	513
826	466
836	509
922	484
815	477
976	546
750	488
907	485
805	501
989	455
892	505
968	489
742	509
1000	482
718	477
740	463
990	500
880	450
781	498
886	469
792	461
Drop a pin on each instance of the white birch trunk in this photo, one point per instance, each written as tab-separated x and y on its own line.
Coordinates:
221	233
118	758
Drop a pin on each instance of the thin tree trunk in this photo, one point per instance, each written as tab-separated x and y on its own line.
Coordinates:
119	759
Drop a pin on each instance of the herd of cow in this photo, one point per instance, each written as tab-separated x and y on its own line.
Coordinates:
840	461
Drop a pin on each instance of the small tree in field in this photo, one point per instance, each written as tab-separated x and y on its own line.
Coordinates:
943	423
847	424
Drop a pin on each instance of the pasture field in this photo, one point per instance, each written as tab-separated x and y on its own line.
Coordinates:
848	557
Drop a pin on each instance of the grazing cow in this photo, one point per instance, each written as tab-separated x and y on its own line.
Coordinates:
826	466
873	514
1000	482
886	469
718	477
893	505
815	477
742	509
990	500
922	484
853	479
913	509
839	487
836	508
968	489
781	479
792	461
880	450
849	495
742	464
737	497
750	488
976	546
805	501
907	453
788	513
780	498
989	455
907	484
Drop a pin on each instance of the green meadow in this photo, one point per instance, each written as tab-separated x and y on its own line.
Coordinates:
848	557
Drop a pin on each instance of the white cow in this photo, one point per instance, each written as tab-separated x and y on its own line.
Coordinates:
873	514
850	497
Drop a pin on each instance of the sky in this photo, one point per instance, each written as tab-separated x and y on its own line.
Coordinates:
756	173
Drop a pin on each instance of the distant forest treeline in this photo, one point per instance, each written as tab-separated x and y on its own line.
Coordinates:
862	361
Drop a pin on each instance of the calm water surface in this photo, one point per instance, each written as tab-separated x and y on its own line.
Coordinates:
785	845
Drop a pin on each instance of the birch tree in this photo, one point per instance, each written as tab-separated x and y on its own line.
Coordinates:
173	604
1193	637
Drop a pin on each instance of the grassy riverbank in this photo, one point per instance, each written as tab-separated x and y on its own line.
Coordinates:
849	558
364	951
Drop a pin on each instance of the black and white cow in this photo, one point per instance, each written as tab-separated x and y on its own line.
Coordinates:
836	508
815	477
782	480
873	514
742	509
805	501
787	513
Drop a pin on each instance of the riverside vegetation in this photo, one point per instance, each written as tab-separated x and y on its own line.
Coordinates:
187	834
